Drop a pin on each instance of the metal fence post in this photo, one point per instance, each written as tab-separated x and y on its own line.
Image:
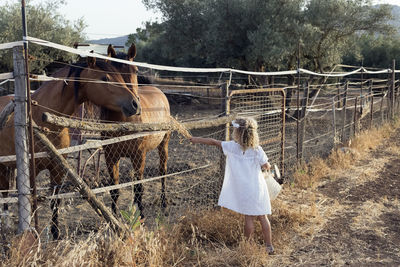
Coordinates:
381	109
302	119
225	109
21	144
355	117
346	87
225	106
334	122
392	96
29	111
371	93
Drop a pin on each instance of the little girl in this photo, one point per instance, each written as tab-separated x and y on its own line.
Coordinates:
244	189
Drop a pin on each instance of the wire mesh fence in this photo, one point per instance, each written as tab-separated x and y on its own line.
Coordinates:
267	107
160	171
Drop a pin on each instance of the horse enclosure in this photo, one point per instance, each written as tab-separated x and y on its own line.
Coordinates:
297	121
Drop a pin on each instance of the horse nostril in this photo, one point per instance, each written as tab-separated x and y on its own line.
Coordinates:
136	107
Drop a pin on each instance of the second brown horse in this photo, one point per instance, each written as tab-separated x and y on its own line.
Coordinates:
154	108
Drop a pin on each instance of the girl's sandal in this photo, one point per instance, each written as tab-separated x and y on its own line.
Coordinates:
270	250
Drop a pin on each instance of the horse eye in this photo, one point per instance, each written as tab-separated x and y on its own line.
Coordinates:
105	78
135	70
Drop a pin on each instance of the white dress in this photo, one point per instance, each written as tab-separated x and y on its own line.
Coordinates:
244	189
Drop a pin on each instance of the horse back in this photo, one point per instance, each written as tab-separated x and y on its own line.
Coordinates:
155	106
4	100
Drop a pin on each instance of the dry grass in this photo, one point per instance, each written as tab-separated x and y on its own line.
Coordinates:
364	142
180	128
368	217
215	237
308	175
208	238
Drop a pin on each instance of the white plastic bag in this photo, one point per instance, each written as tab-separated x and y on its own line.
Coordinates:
273	186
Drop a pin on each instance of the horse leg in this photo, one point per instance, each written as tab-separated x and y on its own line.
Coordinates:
54	204
5	179
56	176
163	155
112	163
138	163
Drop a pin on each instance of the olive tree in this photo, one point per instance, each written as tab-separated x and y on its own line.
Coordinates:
44	22
261	35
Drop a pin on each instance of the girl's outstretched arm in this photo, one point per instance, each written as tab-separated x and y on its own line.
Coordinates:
205	141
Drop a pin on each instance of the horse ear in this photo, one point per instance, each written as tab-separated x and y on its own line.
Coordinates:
132	52
111	51
91	61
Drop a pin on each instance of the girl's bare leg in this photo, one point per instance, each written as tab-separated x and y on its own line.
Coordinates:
248	226
266	229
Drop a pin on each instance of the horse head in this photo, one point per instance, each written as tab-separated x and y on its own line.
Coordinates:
103	85
128	72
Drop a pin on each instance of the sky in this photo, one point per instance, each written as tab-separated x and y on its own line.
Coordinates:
113	18
104	18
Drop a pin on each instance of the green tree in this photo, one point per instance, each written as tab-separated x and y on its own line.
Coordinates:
180	42
330	27
145	40
260	35
374	51
44	22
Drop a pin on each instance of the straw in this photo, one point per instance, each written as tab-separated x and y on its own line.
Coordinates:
180	128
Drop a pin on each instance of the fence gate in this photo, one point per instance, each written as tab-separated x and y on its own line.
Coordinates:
267	106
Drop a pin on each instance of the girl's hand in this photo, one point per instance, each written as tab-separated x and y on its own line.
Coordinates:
194	140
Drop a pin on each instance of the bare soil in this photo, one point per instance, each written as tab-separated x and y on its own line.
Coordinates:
357	222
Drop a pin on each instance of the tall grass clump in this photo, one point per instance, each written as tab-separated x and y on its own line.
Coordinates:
358	146
307	175
210	238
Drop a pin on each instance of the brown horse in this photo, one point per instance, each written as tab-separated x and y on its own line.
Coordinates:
90	84
154	108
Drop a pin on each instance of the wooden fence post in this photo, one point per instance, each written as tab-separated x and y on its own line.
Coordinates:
21	143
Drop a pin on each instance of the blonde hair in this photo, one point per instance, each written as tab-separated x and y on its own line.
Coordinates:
246	134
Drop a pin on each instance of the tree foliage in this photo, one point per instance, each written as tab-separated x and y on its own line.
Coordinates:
330	27
373	51
44	22
257	34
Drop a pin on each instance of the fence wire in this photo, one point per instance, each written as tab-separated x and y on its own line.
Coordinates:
193	174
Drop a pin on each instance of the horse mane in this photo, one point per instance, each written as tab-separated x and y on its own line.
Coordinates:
142	78
119	55
76	69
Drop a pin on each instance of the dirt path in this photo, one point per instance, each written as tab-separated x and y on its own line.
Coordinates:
362	226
